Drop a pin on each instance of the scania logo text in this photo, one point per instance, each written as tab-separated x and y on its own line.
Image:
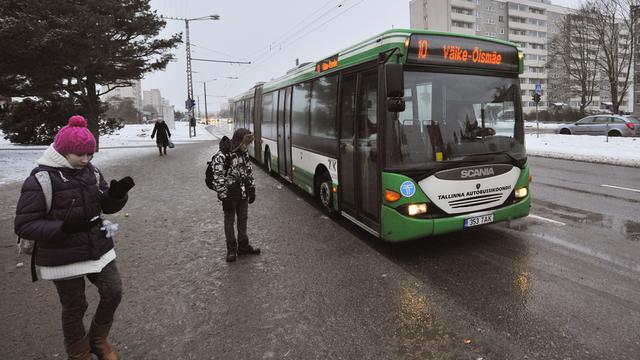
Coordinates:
472	173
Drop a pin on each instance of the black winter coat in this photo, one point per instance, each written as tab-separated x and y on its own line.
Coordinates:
163	133
74	192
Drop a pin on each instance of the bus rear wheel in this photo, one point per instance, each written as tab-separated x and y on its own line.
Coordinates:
325	193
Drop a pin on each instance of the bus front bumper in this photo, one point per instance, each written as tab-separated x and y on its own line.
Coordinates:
398	227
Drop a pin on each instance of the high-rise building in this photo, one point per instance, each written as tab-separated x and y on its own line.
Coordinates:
134	92
530	23
154	98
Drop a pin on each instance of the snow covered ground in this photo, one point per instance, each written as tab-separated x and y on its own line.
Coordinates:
134	140
16	161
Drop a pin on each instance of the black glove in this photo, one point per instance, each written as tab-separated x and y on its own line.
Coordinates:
251	195
82	225
118	189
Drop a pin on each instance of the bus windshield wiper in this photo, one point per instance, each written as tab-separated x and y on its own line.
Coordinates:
517	162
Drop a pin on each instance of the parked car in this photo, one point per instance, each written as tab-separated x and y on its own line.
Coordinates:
613	125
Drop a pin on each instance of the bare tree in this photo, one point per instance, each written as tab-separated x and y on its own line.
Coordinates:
614	29
573	53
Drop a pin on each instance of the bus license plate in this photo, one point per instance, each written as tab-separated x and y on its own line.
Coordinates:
478	220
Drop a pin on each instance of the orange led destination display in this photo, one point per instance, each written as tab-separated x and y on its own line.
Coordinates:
458	51
327	64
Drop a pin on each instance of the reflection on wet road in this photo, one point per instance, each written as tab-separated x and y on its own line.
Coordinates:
562	283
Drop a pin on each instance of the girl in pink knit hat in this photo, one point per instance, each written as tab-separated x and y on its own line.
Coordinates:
72	240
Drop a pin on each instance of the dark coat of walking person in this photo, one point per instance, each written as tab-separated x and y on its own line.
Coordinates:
162	134
72	241
234	183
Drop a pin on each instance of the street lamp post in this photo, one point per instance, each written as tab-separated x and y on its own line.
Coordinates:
206	112
190	100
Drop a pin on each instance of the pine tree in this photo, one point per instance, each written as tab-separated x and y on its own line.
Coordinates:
67	48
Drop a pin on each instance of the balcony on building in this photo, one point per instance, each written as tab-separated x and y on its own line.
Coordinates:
467	4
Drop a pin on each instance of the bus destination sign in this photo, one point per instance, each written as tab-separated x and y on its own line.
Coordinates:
459	51
327	64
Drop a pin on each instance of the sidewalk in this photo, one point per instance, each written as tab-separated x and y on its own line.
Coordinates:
317	291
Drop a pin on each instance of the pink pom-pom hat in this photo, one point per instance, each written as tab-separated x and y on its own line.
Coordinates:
75	138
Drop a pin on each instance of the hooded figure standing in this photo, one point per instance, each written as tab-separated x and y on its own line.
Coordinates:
71	239
162	130
234	183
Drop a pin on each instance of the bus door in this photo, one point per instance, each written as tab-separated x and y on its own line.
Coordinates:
284	132
359	189
257	125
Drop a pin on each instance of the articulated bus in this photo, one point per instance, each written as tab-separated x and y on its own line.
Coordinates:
408	134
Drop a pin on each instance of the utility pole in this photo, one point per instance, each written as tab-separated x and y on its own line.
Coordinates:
206	112
199	114
190	101
206	115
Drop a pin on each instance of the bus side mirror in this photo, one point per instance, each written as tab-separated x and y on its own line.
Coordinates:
395	80
394	75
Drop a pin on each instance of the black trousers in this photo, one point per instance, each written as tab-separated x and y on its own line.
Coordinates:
74	302
231	209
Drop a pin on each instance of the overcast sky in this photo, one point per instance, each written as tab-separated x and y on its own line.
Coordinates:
270	34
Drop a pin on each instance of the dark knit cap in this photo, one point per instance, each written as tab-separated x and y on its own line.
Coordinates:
240	136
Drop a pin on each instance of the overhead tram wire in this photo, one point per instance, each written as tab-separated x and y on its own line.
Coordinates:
283	39
317	27
257	64
274	43
286	42
217	52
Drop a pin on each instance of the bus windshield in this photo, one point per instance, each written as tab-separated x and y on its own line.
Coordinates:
452	118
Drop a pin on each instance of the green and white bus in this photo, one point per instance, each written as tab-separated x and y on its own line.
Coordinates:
405	134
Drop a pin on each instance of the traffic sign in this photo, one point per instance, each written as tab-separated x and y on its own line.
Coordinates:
539	89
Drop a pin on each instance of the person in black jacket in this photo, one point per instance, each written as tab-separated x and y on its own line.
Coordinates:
234	183
163	134
72	240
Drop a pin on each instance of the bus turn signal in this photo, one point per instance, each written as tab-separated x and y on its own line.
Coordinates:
391	196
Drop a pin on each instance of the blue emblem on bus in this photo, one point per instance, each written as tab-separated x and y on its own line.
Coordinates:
407	189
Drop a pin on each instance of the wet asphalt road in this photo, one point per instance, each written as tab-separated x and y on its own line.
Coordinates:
562	285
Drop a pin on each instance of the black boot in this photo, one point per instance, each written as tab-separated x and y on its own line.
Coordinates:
231	256
248	250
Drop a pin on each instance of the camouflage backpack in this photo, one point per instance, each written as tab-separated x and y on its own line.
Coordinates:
225	148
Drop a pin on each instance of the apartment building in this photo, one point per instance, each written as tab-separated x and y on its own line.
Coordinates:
530	23
154	98
134	92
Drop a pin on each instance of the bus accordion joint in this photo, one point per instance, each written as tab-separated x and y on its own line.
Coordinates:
391	196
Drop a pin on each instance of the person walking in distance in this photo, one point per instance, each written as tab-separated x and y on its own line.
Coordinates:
234	183
163	134
72	241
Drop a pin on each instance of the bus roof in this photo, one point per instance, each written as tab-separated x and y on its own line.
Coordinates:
362	52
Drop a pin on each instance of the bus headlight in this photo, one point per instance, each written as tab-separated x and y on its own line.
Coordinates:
416	209
521	192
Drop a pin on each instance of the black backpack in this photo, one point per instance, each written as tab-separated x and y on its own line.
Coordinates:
225	148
